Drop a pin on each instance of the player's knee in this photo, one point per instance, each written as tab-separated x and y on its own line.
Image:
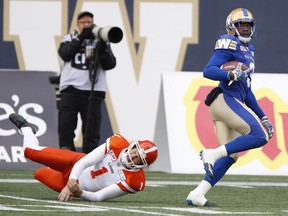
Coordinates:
234	156
261	141
39	174
261	136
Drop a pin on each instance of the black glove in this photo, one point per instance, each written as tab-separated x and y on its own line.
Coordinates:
87	33
102	46
106	56
268	126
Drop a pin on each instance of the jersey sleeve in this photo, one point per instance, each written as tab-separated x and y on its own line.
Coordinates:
212	70
109	192
116	143
135	181
226	42
68	48
224	51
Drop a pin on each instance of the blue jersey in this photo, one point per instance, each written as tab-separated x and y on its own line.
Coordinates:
230	48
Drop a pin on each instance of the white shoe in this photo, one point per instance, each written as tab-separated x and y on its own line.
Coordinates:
196	199
208	158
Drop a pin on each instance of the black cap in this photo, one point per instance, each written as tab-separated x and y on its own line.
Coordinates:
84	13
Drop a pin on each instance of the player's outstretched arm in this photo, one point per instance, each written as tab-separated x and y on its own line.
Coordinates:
109	192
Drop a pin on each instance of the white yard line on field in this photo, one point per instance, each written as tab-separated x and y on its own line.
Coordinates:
92	208
76	207
97	207
18	181
166	183
206	211
227	184
73	207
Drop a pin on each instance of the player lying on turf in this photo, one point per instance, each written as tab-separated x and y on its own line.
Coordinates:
112	170
239	121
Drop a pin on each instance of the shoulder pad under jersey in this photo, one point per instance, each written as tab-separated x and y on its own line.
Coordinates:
116	143
226	42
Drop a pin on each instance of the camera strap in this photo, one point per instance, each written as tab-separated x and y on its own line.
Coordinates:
93	67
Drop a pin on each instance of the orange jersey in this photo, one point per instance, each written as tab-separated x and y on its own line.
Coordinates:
109	170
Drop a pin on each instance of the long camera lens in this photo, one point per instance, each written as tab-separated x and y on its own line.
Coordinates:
108	34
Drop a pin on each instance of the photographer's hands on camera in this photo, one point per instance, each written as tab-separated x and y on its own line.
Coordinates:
68	50
106	57
87	33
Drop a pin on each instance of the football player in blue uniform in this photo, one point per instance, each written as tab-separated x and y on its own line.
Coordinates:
239	121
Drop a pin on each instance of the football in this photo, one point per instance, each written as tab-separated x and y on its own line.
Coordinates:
231	65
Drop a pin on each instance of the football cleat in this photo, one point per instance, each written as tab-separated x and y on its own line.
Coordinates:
19	121
210	204
208	169
196	199
208	161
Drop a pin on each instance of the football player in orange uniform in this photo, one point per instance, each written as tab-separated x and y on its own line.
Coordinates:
113	169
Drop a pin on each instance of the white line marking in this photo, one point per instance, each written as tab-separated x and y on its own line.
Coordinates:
167	183
205	211
91	207
8	208
228	184
18	181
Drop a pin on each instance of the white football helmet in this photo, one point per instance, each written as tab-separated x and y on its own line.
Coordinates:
147	150
237	16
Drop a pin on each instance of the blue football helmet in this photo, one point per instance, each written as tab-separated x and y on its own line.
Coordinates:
235	18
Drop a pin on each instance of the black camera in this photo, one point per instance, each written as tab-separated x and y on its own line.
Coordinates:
108	34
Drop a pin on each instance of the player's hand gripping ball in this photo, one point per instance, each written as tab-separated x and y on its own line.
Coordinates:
236	70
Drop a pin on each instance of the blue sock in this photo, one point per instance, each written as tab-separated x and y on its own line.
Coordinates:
220	168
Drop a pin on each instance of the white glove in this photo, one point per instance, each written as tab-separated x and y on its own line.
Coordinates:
237	74
268	126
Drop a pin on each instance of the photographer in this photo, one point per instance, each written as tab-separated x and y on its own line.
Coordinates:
83	83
